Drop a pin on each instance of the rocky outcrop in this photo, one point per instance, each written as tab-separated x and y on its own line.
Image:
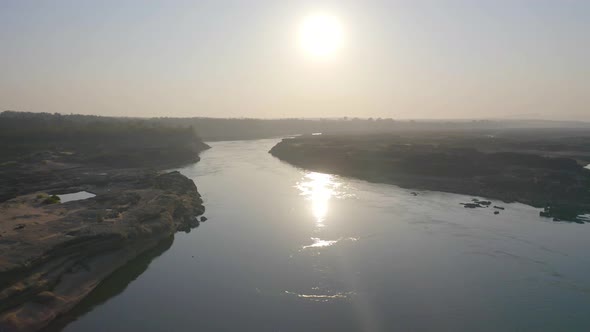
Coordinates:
51	261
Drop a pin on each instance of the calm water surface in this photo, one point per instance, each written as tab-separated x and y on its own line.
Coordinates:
290	250
64	198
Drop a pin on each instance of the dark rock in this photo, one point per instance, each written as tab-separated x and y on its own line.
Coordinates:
545	214
499	207
562	212
203	219
176	182
19	226
496	212
471	205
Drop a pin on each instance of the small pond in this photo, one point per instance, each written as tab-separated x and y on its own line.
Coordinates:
75	196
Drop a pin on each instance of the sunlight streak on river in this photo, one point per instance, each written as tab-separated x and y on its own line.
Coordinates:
319	188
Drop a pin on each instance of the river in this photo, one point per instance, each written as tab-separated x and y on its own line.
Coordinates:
285	249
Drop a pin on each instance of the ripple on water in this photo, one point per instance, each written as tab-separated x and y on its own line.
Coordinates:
322	297
319	243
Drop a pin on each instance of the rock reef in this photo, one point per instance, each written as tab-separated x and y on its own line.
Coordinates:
53	255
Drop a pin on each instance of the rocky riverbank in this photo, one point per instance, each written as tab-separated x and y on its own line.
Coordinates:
53	255
480	166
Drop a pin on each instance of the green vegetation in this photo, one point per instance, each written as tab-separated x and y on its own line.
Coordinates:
53	199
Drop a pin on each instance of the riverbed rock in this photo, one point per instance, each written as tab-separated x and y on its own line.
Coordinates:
471	205
562	212
51	262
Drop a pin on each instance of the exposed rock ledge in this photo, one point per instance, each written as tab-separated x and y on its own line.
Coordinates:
52	256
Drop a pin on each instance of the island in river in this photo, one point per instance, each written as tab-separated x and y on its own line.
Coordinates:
53	254
545	171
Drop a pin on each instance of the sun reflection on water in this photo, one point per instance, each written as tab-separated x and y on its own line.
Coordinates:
319	243
319	188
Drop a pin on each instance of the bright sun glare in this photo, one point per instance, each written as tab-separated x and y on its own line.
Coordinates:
321	35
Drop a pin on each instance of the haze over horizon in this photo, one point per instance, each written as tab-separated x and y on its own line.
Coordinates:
390	59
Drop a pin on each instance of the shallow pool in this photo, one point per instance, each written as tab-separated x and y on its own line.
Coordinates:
75	196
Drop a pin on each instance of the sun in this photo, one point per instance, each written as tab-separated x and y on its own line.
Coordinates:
321	35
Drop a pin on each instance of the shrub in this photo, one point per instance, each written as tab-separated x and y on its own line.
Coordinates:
53	199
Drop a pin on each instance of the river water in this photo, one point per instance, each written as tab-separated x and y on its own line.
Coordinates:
285	249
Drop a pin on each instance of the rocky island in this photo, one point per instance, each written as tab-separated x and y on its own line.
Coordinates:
545	170
53	253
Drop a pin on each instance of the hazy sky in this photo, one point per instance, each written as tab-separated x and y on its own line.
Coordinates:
400	59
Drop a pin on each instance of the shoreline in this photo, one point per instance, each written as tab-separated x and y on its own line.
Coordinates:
555	184
111	286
